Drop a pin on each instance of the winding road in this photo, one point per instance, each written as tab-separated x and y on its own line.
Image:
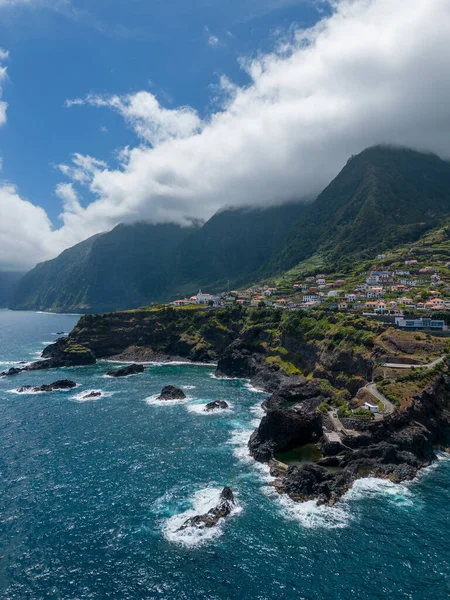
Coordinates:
400	366
389	408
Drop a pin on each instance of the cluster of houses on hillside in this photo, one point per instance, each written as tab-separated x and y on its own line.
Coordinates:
256	296
382	291
200	298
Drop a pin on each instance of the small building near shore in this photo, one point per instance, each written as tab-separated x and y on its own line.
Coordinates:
372	407
421	324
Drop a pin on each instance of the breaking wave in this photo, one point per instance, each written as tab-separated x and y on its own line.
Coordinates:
154	401
199	409
81	397
191	537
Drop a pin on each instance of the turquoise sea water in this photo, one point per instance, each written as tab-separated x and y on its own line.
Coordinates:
91	495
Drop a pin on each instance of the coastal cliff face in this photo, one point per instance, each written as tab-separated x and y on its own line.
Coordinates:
199	335
314	365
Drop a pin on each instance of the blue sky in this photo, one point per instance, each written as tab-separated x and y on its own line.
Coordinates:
176	49
115	111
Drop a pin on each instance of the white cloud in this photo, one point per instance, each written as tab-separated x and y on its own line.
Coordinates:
25	231
142	111
3	76
373	72
82	168
46	3
213	41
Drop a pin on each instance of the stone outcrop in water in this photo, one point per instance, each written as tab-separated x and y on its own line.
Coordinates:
216	405
306	482
62	384
11	371
212	517
291	420
63	353
91	395
171	392
127	371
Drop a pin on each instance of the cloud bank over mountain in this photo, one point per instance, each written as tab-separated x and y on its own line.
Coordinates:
371	72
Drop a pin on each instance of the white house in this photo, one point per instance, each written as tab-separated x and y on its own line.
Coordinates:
372	407
408	282
311	298
373	280
205	298
421	324
375	292
180	302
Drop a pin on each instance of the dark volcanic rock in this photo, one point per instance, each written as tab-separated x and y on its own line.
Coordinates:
248	361
62	384
291	420
11	371
126	371
216	405
91	395
237	361
171	392
63	353
306	482
211	518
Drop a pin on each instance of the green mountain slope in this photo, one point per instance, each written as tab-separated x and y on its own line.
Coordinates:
124	268
232	246
383	197
134	265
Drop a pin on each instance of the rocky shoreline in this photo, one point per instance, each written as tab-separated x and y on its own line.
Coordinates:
395	447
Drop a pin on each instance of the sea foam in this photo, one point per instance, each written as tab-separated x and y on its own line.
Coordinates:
253	389
199	409
81	397
202	501
154	401
367	487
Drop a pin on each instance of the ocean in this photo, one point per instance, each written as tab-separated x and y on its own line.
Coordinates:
92	493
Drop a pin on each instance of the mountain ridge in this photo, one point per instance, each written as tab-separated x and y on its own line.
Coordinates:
383	197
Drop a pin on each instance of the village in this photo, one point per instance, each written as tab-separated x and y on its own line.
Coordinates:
402	294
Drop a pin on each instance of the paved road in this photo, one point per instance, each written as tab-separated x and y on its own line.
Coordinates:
400	366
339	427
388	406
336	421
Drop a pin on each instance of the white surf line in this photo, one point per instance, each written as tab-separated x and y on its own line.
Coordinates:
156	363
154	400
199	409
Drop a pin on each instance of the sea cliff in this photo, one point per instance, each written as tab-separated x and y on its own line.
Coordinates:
317	368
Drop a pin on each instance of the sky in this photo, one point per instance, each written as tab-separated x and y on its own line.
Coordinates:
167	110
